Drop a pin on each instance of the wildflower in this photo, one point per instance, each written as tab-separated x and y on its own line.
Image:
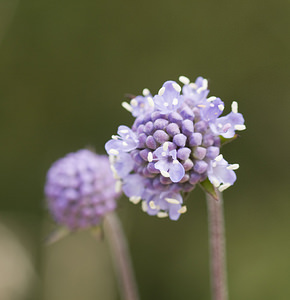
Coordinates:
80	189
173	145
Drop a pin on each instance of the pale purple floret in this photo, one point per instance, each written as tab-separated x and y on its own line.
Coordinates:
123	164
141	105
168	164
134	185
125	142
195	93
226	126
169	202
80	189
168	98
221	174
212	109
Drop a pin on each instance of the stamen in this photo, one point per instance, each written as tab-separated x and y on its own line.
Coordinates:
127	106
146	92
240	127
214	164
112	159
162	214
219	157
150	101
211	105
161	91
165	146
215	182
124	131
199	90
184	80
182	210
115	137
152	204
221	107
204	83
125	143
118	186
193	85
176	86
134	102
201	106
113	152
235	107
224	187
144	206
172	201
165	104
164	173
175	101
163	154
150	157
135	199
210	99
220	125
176	162
233	167
115	174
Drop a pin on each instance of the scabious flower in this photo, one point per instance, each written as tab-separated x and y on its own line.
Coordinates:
80	189
173	145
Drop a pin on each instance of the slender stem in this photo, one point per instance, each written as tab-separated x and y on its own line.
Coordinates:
121	257
217	248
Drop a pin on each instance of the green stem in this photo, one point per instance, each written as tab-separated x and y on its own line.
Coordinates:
217	248
121	257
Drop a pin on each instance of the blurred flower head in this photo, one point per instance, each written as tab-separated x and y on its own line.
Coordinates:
80	189
173	145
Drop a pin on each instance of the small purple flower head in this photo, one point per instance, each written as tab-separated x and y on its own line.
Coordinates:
173	145
80	189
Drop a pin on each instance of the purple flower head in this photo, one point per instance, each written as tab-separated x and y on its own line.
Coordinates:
173	145
80	189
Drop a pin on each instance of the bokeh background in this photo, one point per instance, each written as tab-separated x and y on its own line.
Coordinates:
64	69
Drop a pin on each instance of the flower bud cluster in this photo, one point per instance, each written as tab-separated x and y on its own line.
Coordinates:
173	144
80	189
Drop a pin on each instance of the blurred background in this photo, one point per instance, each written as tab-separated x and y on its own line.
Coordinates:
64	69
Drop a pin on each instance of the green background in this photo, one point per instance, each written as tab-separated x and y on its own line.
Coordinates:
64	69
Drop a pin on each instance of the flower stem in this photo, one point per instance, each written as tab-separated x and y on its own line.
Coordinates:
217	247
121	257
